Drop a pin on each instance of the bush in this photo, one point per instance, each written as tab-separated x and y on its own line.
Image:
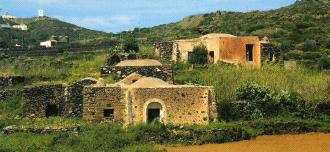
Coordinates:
260	100
325	62
199	55
131	45
310	45
312	55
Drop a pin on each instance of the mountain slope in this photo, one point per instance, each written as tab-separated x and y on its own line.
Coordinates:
301	30
41	29
307	19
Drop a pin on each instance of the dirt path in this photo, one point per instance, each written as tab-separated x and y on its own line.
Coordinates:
314	142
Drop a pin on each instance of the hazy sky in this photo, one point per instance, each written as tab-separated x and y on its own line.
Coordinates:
120	15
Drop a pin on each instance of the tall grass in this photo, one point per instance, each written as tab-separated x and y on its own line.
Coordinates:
312	85
67	67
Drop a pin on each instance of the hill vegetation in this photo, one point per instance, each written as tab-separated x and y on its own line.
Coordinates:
41	29
301	31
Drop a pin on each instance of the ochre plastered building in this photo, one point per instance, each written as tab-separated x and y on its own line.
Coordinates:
139	99
221	48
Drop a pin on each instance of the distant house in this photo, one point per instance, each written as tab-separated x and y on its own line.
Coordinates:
221	48
48	44
22	27
7	16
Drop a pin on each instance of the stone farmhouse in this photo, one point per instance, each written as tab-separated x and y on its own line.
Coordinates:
133	100
221	48
139	99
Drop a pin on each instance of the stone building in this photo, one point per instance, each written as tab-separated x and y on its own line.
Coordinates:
145	67
221	48
137	99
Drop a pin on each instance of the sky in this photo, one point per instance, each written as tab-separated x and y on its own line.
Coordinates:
121	15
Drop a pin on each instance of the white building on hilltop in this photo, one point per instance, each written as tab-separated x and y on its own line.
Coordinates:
41	13
7	16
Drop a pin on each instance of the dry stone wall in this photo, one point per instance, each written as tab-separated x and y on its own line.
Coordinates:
37	98
163	72
97	99
164	50
11	80
7	93
55	100
74	104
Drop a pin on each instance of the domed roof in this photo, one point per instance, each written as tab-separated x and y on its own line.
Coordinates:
149	82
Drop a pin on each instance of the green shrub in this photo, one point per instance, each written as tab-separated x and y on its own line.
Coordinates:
260	100
325	62
310	45
131	45
199	55
312	55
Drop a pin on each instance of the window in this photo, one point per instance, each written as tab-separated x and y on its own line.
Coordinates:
51	110
108	113
249	52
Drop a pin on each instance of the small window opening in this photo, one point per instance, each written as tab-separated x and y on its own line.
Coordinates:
108	113
51	110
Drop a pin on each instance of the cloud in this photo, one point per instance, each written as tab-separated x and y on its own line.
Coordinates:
111	23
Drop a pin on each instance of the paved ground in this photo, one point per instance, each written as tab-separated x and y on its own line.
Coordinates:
314	142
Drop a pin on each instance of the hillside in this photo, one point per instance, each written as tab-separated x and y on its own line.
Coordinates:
302	29
40	29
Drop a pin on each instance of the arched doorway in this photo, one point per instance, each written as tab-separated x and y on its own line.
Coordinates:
51	110
154	112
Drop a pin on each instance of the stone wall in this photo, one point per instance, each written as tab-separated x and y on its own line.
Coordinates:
68	100
11	80
39	130
96	99
164	50
37	98
182	105
74	104
7	93
163	72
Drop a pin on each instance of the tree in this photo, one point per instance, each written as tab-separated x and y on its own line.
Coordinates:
199	55
131	45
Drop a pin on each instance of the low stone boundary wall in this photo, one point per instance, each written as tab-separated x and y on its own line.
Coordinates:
163	72
5	94
39	130
11	80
